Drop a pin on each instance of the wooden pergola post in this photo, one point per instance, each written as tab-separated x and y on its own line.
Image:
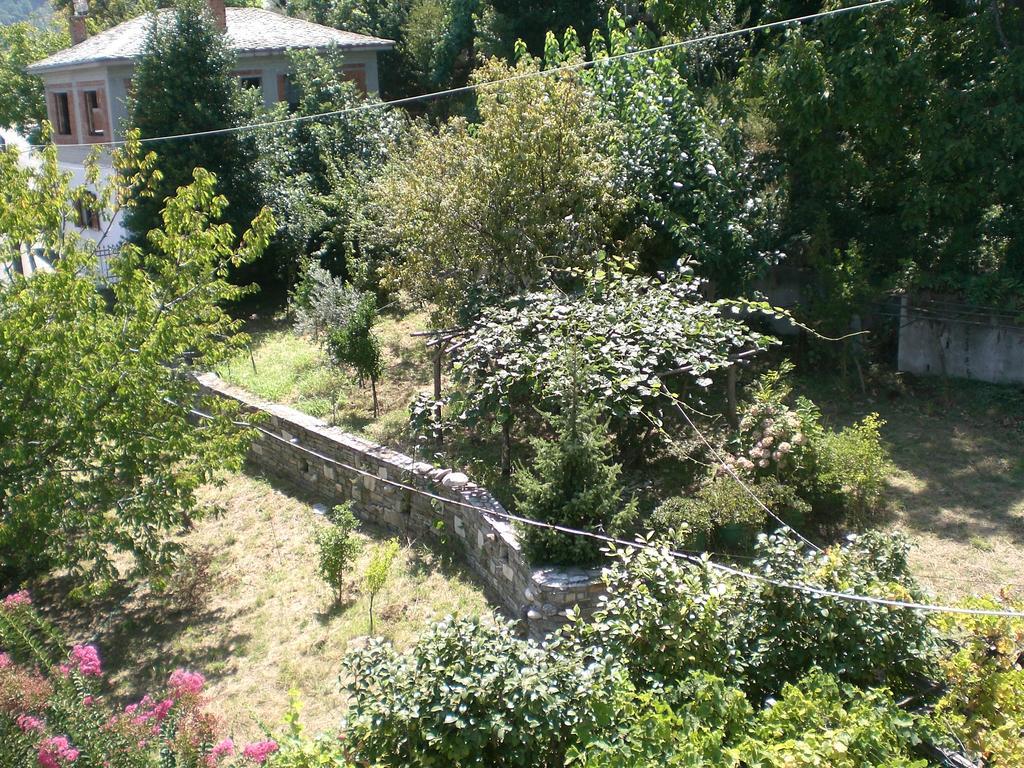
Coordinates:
730	393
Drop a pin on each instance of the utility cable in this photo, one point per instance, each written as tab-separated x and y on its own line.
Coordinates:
575	66
639	545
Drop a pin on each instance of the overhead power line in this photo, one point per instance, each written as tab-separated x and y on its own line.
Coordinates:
573	67
639	545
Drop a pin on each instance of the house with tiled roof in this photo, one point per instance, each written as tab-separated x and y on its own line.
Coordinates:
87	85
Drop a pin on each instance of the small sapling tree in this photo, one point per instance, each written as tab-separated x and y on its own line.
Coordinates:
378	571
338	548
354	345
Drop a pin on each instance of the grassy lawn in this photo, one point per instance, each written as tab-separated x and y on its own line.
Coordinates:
958	488
266	623
288	369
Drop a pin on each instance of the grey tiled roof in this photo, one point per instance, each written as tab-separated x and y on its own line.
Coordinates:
249	31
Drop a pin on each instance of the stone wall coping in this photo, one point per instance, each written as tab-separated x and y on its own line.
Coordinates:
463	489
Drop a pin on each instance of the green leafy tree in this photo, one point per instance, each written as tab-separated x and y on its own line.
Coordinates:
354	345
320	301
337	548
682	158
15	11
379	18
378	572
896	135
314	173
495	208
101	453
635	336
504	23
438	38
21	99
184	83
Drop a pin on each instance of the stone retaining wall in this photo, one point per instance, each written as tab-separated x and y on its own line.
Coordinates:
539	597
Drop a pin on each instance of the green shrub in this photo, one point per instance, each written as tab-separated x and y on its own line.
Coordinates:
297	749
692	725
707	722
819	722
982	705
841	475
337	547
665	617
354	345
852	466
686	521
571	482
470	693
722	515
320	301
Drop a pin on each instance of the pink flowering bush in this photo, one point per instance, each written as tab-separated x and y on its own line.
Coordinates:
87	660
16	599
56	751
182	682
259	751
773	437
53	713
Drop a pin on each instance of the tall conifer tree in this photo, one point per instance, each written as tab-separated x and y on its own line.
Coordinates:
183	84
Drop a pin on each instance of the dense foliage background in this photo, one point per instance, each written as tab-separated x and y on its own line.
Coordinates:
582	242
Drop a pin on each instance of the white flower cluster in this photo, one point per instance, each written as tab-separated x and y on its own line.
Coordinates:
772	433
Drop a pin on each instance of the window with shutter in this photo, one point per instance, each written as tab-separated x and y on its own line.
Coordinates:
94	117
62	114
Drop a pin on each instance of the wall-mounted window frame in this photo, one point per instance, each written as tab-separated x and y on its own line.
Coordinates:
62	117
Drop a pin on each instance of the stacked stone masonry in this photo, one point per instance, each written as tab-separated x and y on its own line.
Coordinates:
304	451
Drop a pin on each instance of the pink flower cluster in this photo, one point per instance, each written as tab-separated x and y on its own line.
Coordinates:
182	682
149	711
224	748
29	723
259	751
56	752
5	661
774	434
87	660
16	599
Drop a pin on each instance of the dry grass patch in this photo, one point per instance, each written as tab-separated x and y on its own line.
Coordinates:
958	490
266	623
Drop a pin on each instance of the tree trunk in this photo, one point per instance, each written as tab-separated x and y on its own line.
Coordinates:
373	389
438	440
506	448
437	371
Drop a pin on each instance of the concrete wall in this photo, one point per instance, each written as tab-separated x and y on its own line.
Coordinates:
968	346
539	597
